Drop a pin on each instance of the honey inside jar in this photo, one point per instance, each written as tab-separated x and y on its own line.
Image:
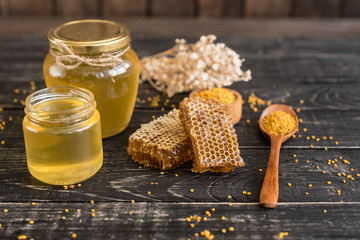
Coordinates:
114	82
62	135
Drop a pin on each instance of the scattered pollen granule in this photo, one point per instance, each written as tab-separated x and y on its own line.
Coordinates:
192	190
21	237
192	225
213	209
33	203
255	101
93	215
289	184
208	213
66	210
31	222
229	196
149	192
310	185
231	229
306	193
260	170
325	211
223	218
92	201
328	182
74	235
248	193
132	201
223	230
283	234
130	213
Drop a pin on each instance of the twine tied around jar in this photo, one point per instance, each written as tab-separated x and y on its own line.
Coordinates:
104	60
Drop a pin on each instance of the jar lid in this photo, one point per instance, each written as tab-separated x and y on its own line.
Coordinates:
89	36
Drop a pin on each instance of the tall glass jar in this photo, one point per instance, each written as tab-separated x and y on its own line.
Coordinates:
62	135
96	55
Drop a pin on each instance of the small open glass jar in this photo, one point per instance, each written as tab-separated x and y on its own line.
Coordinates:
96	55
62	134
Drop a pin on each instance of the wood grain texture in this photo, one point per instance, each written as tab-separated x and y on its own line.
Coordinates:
34	8
220	8
317	8
351	8
168	220
78	8
174	8
121	8
324	73
267	8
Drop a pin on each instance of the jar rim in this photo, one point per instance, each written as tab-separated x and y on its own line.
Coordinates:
89	36
70	116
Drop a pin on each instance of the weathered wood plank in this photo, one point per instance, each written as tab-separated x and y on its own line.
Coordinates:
168	220
317	8
220	8
267	8
322	61
121	179
78	8
174	8
121	8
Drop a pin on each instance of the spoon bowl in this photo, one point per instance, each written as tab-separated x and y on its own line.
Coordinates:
270	189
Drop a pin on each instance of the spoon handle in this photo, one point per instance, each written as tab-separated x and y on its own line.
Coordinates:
270	189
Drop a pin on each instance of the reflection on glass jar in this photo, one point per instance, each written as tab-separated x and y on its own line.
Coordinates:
96	55
62	133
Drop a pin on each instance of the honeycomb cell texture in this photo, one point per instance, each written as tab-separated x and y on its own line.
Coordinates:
161	143
213	137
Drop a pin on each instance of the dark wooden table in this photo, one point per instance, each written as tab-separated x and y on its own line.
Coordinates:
323	73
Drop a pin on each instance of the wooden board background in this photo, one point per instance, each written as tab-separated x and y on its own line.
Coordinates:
180	8
324	73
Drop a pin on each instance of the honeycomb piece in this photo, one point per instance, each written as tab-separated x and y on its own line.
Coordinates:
161	143
213	138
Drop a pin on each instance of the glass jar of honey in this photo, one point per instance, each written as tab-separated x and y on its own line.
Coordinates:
96	55
62	134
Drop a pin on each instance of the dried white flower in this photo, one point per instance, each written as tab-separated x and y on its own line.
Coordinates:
185	67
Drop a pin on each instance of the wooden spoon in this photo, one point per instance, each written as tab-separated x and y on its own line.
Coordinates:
270	189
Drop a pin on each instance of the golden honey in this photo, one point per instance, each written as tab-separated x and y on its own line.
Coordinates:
113	83
62	134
